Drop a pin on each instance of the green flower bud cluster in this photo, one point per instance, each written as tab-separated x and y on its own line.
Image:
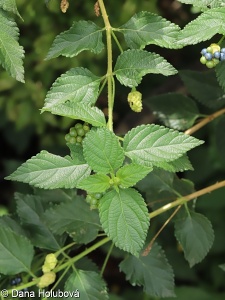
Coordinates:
77	133
93	199
212	55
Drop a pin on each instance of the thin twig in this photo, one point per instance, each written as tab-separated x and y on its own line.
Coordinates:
205	121
149	247
187	198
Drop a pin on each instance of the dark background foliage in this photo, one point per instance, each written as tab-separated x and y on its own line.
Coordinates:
24	131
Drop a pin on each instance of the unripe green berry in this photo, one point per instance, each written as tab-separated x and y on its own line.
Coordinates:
86	128
88	198
73	132
94	201
80	132
210	64
79	139
215	61
210	50
98	196
67	137
72	140
203	60
78	125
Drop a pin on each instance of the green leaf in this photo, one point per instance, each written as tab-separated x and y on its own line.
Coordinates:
80	111
90	285
49	171
9	5
220	69
204	87
16	252
75	218
222	267
203	3
150	144
153	272
77	85
10	223
125	219
11	53
96	183
30	210
76	152
102	150
130	174
82	35
146	28
174	110
220	138
132	65
195	234
178	165
203	28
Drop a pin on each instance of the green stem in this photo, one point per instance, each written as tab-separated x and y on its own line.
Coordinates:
82	254
109	74
64	248
106	259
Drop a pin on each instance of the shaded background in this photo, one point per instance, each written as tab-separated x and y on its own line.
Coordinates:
24	131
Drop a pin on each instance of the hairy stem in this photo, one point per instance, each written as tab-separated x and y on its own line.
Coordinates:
187	198
205	121
109	74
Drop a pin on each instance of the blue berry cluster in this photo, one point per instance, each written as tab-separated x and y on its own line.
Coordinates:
16	280
212	55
